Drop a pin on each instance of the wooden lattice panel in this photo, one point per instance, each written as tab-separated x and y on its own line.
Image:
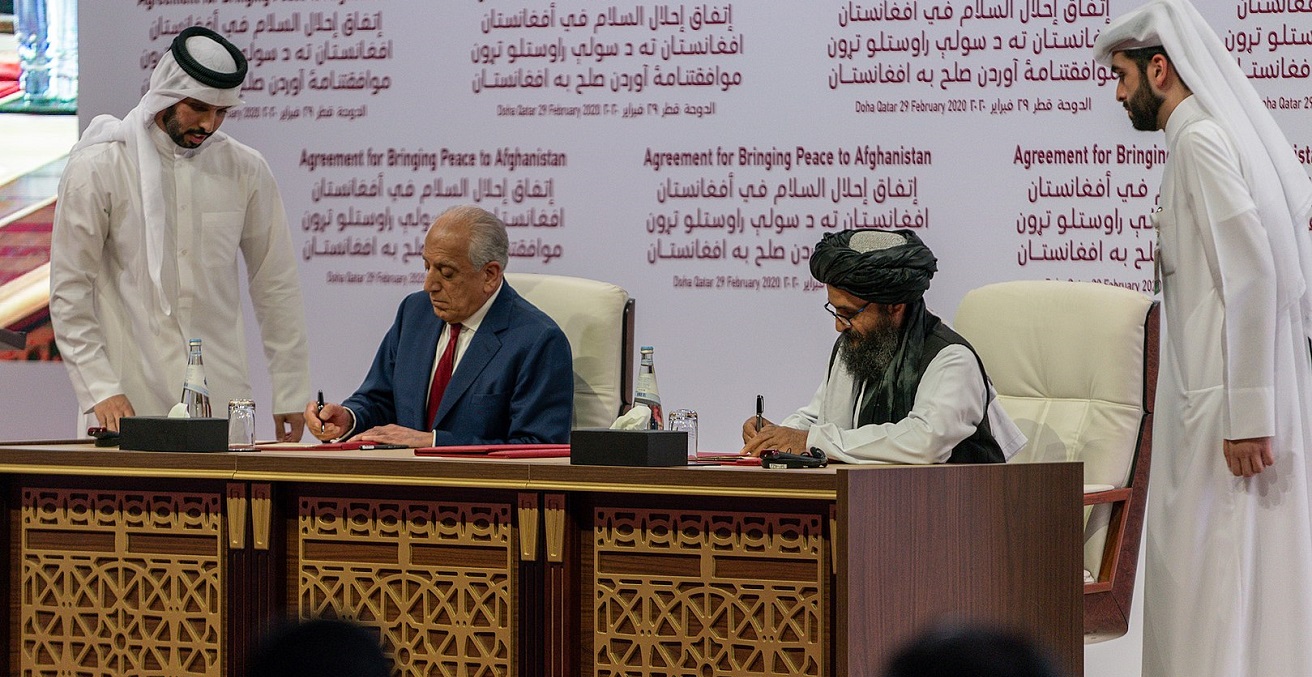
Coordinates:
120	583
437	580
703	593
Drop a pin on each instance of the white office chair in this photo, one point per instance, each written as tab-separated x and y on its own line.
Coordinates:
597	318
1075	365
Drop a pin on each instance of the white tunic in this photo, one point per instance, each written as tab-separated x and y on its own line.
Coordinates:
221	199
1228	584
948	407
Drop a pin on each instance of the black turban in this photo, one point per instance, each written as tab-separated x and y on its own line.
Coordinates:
880	266
886	267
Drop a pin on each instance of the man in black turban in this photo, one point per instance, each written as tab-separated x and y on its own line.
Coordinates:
902	386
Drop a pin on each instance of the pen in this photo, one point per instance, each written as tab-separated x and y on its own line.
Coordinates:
321	423
760	409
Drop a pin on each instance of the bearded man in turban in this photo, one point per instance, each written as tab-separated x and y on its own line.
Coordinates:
902	387
152	213
1228	573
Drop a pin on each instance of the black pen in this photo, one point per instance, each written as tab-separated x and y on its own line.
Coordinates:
760	409
322	425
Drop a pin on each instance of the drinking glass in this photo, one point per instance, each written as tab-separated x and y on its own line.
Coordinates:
686	420
241	424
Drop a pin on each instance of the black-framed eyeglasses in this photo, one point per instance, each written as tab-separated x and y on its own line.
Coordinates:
845	319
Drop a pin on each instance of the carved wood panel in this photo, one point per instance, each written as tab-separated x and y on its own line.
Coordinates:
120	582
436	579
708	592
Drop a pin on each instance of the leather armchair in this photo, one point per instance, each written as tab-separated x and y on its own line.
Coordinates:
1075	365
597	318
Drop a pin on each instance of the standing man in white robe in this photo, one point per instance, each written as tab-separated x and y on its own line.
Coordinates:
152	213
1228	585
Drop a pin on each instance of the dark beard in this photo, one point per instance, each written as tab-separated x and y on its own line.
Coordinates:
1144	106
175	130
868	356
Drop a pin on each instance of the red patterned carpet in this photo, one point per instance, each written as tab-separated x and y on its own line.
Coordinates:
24	248
25	245
8	79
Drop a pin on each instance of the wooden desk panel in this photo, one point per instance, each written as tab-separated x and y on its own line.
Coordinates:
536	567
992	544
730	587
436	578
118	581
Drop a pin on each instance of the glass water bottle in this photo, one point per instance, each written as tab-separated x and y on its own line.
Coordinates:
195	391
646	391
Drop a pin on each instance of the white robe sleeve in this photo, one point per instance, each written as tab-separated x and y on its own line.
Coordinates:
1243	272
807	416
275	292
77	247
949	405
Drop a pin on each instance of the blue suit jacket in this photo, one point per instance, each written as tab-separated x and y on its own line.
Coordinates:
513	385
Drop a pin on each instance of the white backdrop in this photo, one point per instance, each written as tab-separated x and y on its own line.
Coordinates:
691	153
957	95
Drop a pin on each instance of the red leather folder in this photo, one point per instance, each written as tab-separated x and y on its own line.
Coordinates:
356	445
725	459
497	451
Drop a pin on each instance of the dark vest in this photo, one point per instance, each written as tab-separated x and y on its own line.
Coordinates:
980	447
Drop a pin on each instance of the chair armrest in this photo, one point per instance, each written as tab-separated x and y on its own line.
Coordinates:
1107	496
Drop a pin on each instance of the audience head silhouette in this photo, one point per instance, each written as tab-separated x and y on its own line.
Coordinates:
970	651
320	648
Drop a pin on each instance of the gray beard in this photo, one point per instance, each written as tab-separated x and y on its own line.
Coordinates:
868	357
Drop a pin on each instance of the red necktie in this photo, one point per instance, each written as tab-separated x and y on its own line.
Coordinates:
442	375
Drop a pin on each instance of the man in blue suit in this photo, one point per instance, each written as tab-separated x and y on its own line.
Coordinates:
467	361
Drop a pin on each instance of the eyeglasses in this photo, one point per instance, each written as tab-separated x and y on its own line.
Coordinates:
846	320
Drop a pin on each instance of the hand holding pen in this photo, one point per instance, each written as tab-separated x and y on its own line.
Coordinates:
326	420
760	435
755	424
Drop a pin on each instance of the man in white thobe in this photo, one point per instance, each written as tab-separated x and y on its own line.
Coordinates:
152	213
1228	585
902	387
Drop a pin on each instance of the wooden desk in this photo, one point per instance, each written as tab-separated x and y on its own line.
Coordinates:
137	562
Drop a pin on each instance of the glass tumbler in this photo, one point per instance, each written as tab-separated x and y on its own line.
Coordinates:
686	420
241	424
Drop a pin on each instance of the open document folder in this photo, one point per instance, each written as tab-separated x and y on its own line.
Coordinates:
498	451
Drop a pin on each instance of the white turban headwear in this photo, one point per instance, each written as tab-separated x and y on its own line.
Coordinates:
1279	185
199	65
